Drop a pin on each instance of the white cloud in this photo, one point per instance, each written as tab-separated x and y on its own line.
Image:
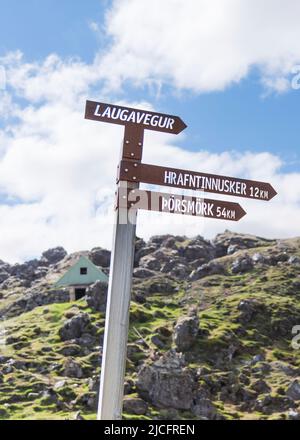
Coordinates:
57	170
60	170
202	45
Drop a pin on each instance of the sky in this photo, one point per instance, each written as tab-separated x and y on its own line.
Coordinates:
230	69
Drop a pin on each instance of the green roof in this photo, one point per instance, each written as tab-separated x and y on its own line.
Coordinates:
75	276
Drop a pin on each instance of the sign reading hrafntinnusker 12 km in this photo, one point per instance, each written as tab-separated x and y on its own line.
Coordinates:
193	180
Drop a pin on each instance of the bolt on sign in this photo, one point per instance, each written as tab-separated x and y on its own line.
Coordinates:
131	173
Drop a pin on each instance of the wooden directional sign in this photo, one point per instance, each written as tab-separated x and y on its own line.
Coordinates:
114	114
138	172
179	204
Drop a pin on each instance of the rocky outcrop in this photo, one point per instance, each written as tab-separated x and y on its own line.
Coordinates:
211	268
96	296
242	265
76	327
72	368
53	256
229	242
32	300
249	308
168	382
186	332
134	405
293	390
100	257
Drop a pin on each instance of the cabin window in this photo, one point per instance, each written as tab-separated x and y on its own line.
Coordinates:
83	271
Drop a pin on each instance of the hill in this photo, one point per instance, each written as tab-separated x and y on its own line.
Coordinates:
210	336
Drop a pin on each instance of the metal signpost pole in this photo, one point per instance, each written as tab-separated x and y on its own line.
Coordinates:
119	294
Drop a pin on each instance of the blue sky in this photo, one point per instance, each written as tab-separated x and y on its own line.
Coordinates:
202	61
238	118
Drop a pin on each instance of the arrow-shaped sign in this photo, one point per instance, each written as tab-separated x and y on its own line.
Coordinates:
138	172
179	204
114	114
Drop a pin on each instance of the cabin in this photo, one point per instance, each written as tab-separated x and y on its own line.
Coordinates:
79	277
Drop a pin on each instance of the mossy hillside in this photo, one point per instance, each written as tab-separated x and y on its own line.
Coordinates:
223	350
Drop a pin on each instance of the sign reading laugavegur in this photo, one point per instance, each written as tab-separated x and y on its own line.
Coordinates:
115	114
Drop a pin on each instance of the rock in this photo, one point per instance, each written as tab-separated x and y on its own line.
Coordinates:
169	243
94	384
185	333
3	275
135	352
142	273
293	390
233	248
163	286
60	384
76	327
293	415
100	257
203	407
257	358
167	382
284	368
234	241
202	251
33	396
150	262
135	405
78	416
142	252
242	265
159	239
72	369
205	270
49	397
3	359
180	271
53	256
294	260
33	299
261	387
129	387
96	296
259	258
87	400
155	339
249	308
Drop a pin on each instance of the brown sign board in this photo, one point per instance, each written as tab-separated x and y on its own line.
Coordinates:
138	172
115	114
179	204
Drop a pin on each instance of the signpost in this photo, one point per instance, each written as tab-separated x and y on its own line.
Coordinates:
120	280
130	199
115	114
179	204
176	178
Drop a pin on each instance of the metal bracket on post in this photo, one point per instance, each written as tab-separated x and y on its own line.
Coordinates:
119	293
